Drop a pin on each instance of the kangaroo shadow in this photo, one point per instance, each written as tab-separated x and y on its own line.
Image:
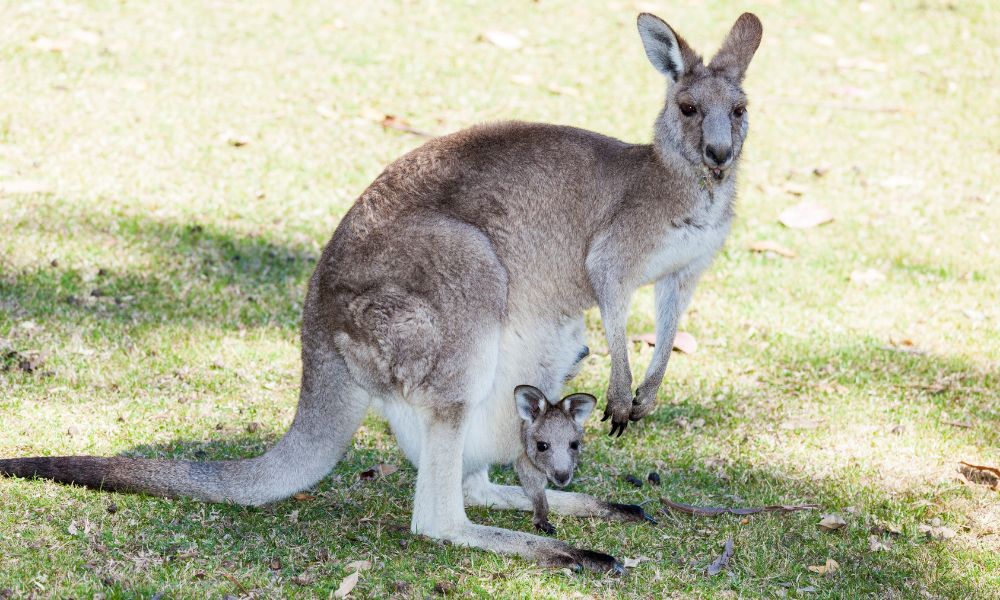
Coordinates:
193	273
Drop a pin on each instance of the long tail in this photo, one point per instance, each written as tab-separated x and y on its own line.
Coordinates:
331	407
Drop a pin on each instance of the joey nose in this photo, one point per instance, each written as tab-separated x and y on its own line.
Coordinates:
717	155
561	478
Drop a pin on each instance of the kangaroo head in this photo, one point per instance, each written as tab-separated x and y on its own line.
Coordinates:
704	119
552	430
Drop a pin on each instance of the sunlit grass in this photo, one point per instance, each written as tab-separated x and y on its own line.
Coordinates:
157	272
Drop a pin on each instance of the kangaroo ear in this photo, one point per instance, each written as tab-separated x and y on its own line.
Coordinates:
667	51
530	402
734	57
579	406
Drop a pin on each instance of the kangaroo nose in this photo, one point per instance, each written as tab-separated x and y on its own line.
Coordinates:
718	154
561	478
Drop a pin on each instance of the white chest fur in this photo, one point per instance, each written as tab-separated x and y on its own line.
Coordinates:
693	240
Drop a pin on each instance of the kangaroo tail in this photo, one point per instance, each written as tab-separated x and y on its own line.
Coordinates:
330	410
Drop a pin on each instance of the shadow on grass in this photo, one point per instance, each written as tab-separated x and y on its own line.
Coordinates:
196	274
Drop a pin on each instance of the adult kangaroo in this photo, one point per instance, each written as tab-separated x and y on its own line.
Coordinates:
462	272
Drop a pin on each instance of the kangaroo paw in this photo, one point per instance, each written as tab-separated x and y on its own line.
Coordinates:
545	527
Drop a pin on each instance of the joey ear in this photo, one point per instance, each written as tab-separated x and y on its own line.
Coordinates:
734	56
579	406
530	402
667	51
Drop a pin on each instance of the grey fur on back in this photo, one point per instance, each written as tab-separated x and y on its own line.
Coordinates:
462	271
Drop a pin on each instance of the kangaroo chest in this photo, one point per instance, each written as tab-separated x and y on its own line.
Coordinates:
691	239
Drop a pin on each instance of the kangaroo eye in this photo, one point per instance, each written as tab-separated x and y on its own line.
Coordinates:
688	110
574	445
739	110
542	446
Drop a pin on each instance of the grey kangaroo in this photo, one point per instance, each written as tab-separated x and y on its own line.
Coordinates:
464	270
551	432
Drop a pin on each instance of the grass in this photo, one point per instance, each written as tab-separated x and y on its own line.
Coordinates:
153	273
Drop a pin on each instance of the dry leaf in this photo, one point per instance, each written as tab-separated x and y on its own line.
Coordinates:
562	90
347	585
358	565
646	338
936	531
631	563
867	277
832	522
293	517
720	563
829	568
24	186
400	124
237	141
52	45
877	545
685	342
501	39
522	79
303	496
303	579
795	189
72	529
804	215
983	474
771	246
386	469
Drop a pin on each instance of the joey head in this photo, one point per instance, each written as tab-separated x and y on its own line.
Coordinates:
552	434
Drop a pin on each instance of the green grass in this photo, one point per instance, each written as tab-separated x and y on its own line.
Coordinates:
159	275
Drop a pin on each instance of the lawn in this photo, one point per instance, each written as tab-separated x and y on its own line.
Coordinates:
169	172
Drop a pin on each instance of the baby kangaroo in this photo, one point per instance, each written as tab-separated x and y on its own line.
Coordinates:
551	432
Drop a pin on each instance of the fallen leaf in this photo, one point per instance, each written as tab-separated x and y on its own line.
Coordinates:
867	277
72	529
444	588
805	215
646	338
795	189
973	315
771	246
387	469
522	79
935	531
358	565
400	124
631	563
303	496
303	579
877	545
501	39
832	522
347	585
253	427
52	45
720	563
809	589
237	141
982	474
712	511
685	342
829	568
25	187
293	517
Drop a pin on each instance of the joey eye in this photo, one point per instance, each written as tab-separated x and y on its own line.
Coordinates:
542	446
739	110
574	445
688	110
